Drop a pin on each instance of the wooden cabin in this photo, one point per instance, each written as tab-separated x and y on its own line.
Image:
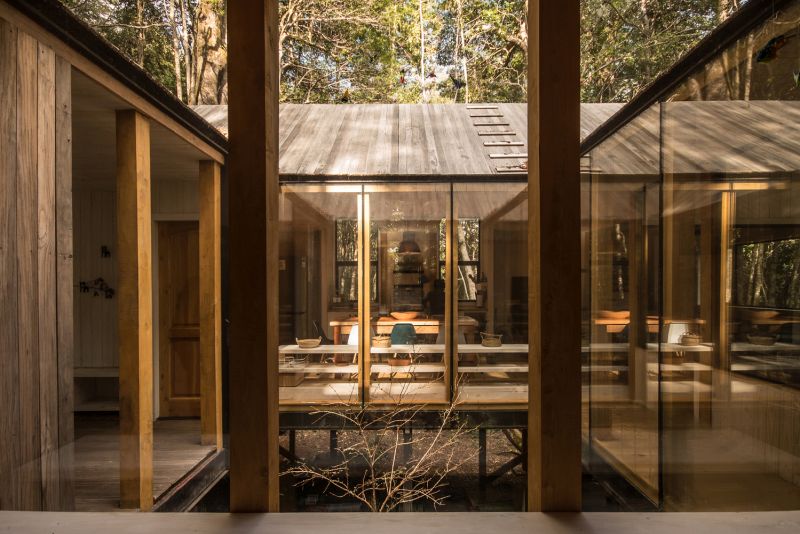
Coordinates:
638	319
110	293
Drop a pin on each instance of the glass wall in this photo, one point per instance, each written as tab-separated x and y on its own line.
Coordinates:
381	285
692	231
492	305
320	251
407	305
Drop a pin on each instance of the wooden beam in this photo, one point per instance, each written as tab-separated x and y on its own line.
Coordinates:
254	189
364	279
210	305
135	310
554	257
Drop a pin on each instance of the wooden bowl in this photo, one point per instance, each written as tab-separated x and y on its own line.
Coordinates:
383	342
308	343
760	314
398	362
610	314
405	316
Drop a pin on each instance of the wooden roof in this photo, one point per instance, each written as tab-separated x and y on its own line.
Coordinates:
735	138
403	140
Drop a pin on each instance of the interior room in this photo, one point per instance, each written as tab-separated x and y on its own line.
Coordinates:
436	250
176	376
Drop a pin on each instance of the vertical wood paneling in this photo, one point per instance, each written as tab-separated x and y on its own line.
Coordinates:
46	284
27	271
64	278
9	362
210	304
135	310
95	316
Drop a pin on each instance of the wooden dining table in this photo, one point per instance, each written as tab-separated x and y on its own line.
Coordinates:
384	325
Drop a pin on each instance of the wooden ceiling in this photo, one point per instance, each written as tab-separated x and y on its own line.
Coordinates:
94	139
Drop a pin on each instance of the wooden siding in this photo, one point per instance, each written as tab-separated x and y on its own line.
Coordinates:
35	253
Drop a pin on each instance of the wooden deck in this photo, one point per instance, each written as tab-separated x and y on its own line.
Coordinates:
402	523
176	447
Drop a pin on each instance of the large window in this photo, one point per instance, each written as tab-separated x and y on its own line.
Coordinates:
346	250
468	233
691	337
768	274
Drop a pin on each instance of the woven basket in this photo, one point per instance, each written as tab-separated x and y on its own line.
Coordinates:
690	340
309	343
382	342
491	340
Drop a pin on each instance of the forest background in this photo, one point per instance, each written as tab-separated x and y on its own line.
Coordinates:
406	51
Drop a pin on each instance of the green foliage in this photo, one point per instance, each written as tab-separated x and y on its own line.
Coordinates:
625	44
142	38
372	50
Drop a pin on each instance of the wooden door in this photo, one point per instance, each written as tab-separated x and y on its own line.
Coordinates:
179	319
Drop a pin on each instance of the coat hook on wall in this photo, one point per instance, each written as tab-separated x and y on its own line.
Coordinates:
105	252
96	286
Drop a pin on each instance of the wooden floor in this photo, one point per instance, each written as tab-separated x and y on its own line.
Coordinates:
402	523
176	449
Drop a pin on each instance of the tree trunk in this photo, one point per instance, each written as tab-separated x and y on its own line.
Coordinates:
468	272
210	58
176	48
140	40
421	51
187	53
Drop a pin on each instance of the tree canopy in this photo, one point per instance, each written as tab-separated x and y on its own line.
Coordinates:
403	50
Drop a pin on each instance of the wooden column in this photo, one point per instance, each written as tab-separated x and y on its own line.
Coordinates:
253	172
210	305
135	311
554	412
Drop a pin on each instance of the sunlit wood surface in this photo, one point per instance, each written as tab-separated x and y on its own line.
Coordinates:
177	449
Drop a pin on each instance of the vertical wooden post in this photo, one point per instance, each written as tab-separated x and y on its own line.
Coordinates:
254	189
554	411
135	311
210	305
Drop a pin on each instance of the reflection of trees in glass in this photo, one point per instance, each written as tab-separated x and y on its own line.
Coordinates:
347	259
768	274
469	243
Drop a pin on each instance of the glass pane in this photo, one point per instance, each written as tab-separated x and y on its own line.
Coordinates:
713	341
730	348
620	238
318	281
407	363
492	335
